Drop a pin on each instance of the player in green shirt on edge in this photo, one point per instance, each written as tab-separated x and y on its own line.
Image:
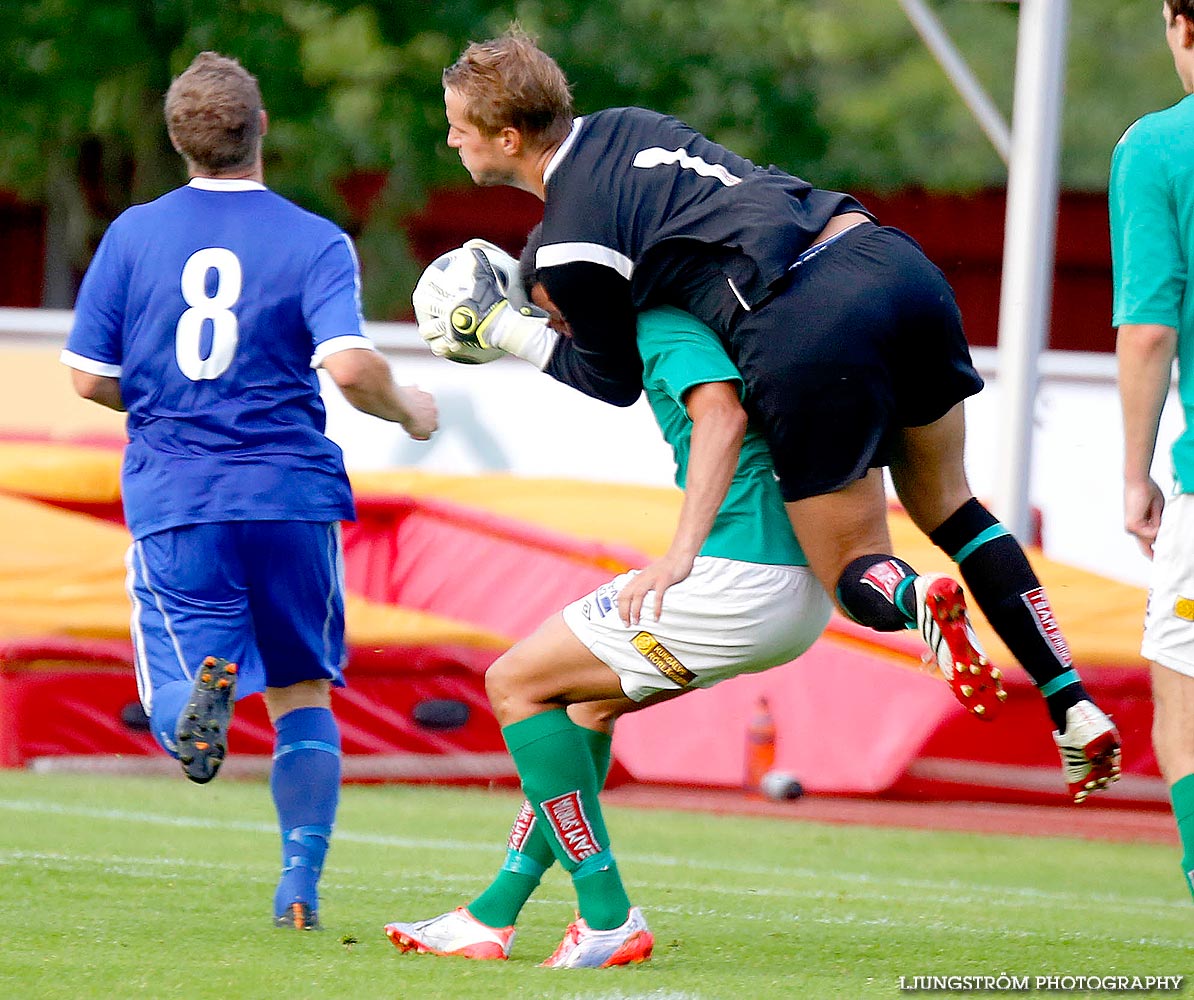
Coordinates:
736	597
1152	250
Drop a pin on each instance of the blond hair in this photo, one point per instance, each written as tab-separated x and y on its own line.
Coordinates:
213	114
510	82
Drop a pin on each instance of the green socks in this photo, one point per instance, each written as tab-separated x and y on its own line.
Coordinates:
1182	796
528	853
562	768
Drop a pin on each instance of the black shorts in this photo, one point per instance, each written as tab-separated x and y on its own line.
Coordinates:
862	339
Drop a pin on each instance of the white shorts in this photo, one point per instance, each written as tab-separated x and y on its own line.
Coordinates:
727	618
1169	619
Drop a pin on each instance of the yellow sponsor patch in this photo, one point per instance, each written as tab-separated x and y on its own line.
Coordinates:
1184	609
658	655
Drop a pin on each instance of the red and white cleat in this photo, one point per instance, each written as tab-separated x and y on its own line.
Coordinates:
456	933
1089	747
943	623
585	948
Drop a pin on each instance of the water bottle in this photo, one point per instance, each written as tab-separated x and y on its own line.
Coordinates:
760	745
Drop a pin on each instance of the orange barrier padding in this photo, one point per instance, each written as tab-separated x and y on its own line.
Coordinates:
640	518
65	697
446	571
1100	618
60	472
1013	759
494	573
845	723
62	575
66	662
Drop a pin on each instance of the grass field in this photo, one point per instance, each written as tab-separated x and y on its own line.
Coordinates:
151	887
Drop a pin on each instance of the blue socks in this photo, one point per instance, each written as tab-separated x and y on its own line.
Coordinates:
168	702
305	783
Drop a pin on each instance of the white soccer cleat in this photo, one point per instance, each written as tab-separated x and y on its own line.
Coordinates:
942	621
456	933
585	948
1089	748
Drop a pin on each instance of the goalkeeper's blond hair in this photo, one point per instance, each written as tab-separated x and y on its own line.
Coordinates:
510	82
213	114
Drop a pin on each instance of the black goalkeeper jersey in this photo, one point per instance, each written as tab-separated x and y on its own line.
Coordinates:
631	196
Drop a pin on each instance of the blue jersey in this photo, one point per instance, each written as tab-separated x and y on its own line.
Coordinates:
213	305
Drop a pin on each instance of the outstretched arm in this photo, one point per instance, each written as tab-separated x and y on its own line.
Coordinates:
1145	353
718	426
365	379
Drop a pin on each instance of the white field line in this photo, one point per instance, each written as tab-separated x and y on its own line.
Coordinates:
877	888
183	869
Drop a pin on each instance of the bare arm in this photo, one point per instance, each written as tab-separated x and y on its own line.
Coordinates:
1145	353
365	379
102	389
718	426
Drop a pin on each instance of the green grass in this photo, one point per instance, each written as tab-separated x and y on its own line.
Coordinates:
151	887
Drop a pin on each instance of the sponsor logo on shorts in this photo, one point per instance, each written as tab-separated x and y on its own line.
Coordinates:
606	597
658	655
1046	624
884	577
524	823
571	826
1184	609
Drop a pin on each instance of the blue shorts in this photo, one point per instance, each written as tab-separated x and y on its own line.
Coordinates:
267	595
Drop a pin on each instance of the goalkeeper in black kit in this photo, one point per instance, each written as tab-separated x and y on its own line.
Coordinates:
834	322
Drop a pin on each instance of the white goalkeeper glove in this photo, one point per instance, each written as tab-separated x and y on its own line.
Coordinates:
470	308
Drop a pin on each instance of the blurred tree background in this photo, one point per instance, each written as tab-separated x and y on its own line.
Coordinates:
841	93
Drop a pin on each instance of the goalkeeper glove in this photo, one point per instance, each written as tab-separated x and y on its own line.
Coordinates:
487	317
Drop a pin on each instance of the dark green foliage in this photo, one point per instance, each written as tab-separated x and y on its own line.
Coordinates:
843	94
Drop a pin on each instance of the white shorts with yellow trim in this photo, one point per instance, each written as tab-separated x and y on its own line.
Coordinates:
727	618
1169	620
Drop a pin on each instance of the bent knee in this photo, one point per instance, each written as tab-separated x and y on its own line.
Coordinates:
280	701
504	678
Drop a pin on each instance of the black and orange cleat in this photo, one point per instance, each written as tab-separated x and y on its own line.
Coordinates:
943	623
300	916
201	736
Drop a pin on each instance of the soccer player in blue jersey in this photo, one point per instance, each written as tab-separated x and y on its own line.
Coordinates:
732	595
205	315
1152	252
848	339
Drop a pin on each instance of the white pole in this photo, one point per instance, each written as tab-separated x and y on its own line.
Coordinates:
1029	242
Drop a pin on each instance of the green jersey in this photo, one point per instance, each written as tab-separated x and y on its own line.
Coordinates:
679	353
1152	245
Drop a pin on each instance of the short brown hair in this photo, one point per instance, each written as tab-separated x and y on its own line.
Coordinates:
1183	7
510	82
213	113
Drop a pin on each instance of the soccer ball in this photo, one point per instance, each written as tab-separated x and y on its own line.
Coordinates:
780	785
448	279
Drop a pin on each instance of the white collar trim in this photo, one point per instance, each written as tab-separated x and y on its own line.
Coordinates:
225	184
558	156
